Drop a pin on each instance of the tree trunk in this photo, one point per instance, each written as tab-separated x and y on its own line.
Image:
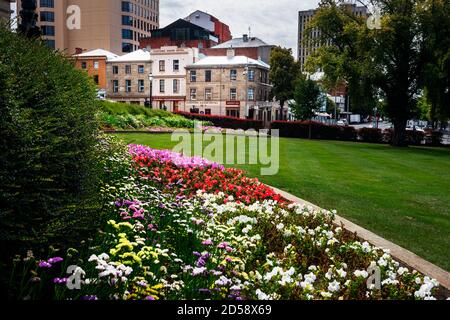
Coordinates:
399	138
280	117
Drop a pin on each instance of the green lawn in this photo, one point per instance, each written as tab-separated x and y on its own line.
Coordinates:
401	194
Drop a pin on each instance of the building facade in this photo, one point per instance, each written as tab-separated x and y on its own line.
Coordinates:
94	63
5	9
251	47
128	78
211	23
113	25
169	76
180	33
307	47
230	85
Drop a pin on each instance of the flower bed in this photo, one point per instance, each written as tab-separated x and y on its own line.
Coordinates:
167	237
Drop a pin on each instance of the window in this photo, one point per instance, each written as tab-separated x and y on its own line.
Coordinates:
47	16
162	85
96	65
141	69
233	112
115	86
193	94
207	111
50	43
176	65
96	79
127	34
47	3
126	6
251	94
141	85
128	85
233	94
127	47
128	69
48	30
193	76
233	74
83	65
251	75
115	70
127	21
162	65
207	75
208	94
176	86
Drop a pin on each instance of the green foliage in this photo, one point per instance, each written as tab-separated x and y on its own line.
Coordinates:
119	108
283	73
49	170
308	98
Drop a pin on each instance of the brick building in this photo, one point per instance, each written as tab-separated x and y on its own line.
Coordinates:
94	63
211	23
180	33
5	9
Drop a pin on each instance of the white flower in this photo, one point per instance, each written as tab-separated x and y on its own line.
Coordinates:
341	273
198	271
261	295
361	273
334	286
280	226
326	294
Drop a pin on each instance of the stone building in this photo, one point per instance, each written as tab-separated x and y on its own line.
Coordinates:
230	85
128	78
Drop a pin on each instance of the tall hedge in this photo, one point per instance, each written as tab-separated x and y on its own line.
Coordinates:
48	135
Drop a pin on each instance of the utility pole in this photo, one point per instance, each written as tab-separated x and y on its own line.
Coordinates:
28	20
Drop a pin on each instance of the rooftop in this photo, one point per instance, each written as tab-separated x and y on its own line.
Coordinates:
97	53
139	55
252	42
227	61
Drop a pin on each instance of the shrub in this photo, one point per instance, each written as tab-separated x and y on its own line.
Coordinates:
371	135
49	174
120	108
225	122
433	138
300	129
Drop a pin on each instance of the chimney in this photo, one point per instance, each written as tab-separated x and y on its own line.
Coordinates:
245	38
230	53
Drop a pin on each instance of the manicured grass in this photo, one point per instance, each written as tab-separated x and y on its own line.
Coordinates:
402	195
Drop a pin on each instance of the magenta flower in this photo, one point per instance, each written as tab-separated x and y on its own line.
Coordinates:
44	264
208	242
55	260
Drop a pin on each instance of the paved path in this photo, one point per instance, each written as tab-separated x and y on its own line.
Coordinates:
400	254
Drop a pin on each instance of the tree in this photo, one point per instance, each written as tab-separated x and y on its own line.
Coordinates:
283	73
308	99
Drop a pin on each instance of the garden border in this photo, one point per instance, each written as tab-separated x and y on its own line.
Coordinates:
400	254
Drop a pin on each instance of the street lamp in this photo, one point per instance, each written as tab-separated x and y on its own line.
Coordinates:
150	79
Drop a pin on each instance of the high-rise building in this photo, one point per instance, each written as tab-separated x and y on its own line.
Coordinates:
112	25
5	9
306	48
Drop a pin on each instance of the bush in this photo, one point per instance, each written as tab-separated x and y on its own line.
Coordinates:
415	138
120	108
49	172
433	138
300	129
371	135
225	122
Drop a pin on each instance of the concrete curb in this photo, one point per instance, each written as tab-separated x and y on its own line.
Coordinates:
400	254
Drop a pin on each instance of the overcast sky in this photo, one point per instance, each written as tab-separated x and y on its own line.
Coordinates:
275	22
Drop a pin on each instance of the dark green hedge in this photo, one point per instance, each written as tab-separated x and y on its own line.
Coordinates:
49	185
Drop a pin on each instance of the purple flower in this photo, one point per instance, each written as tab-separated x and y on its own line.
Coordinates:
150	298
55	260
44	264
206	291
89	298
60	280
197	254
207	242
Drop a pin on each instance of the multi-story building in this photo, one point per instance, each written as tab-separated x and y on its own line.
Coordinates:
94	63
230	85
251	47
113	25
180	33
211	23
128	78
169	76
307	47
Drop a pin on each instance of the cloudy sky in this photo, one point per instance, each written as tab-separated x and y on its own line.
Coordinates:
275	22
